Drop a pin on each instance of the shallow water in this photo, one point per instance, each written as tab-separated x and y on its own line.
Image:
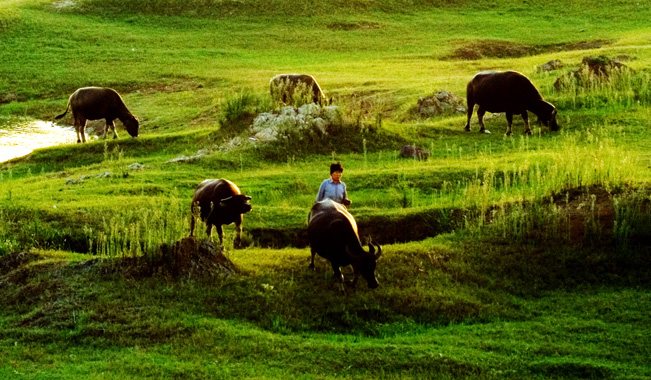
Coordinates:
19	137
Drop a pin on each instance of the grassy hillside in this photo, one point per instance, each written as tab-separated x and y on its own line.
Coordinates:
520	257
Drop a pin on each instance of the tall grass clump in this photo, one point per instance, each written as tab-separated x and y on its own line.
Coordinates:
521	200
287	92
632	220
586	88
239	109
140	231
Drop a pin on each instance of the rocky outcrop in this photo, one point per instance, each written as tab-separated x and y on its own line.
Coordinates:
440	103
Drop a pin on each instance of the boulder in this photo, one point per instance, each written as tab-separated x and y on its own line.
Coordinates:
552	65
307	120
440	103
413	151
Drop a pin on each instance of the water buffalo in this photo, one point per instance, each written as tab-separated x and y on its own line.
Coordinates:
93	103
286	88
332	233
509	92
218	202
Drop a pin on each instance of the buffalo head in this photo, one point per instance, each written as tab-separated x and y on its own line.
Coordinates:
365	266
239	203
548	116
132	124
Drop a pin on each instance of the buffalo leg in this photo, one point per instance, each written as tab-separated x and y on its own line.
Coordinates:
509	121
77	130
471	107
525	118
110	126
339	277
220	233
80	124
238	235
193	217
313	253
209	231
115	133
82	130
480	115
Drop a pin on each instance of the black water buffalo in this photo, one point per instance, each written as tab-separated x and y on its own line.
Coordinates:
93	103
284	88
218	202
332	233
509	92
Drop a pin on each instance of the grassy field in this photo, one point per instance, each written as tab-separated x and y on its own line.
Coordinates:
522	257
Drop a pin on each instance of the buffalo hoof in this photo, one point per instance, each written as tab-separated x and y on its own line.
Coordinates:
528	133
311	266
467	128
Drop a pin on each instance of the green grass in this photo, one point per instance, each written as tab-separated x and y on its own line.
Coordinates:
504	258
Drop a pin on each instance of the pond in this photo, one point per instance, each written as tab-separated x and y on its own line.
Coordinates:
20	136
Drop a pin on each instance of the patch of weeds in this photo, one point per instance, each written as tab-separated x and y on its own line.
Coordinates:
238	111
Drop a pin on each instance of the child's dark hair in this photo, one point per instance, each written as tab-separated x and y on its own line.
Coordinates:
336	167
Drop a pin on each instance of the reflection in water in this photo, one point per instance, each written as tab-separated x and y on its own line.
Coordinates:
20	137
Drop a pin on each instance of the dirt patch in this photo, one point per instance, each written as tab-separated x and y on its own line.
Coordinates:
168	88
591	213
360	25
479	49
485	48
16	260
580	45
186	258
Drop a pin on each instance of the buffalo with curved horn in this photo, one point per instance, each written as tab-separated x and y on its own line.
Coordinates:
332	232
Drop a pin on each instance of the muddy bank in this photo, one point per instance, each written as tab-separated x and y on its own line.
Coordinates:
382	229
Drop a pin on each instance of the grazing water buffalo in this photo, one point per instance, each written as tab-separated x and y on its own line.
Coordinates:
509	92
93	103
284	88
332	233
218	202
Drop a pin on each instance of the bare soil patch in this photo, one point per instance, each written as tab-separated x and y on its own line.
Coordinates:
591	208
360	25
187	258
486	48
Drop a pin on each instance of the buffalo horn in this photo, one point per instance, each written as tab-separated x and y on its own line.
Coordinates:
226	199
379	252
371	250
